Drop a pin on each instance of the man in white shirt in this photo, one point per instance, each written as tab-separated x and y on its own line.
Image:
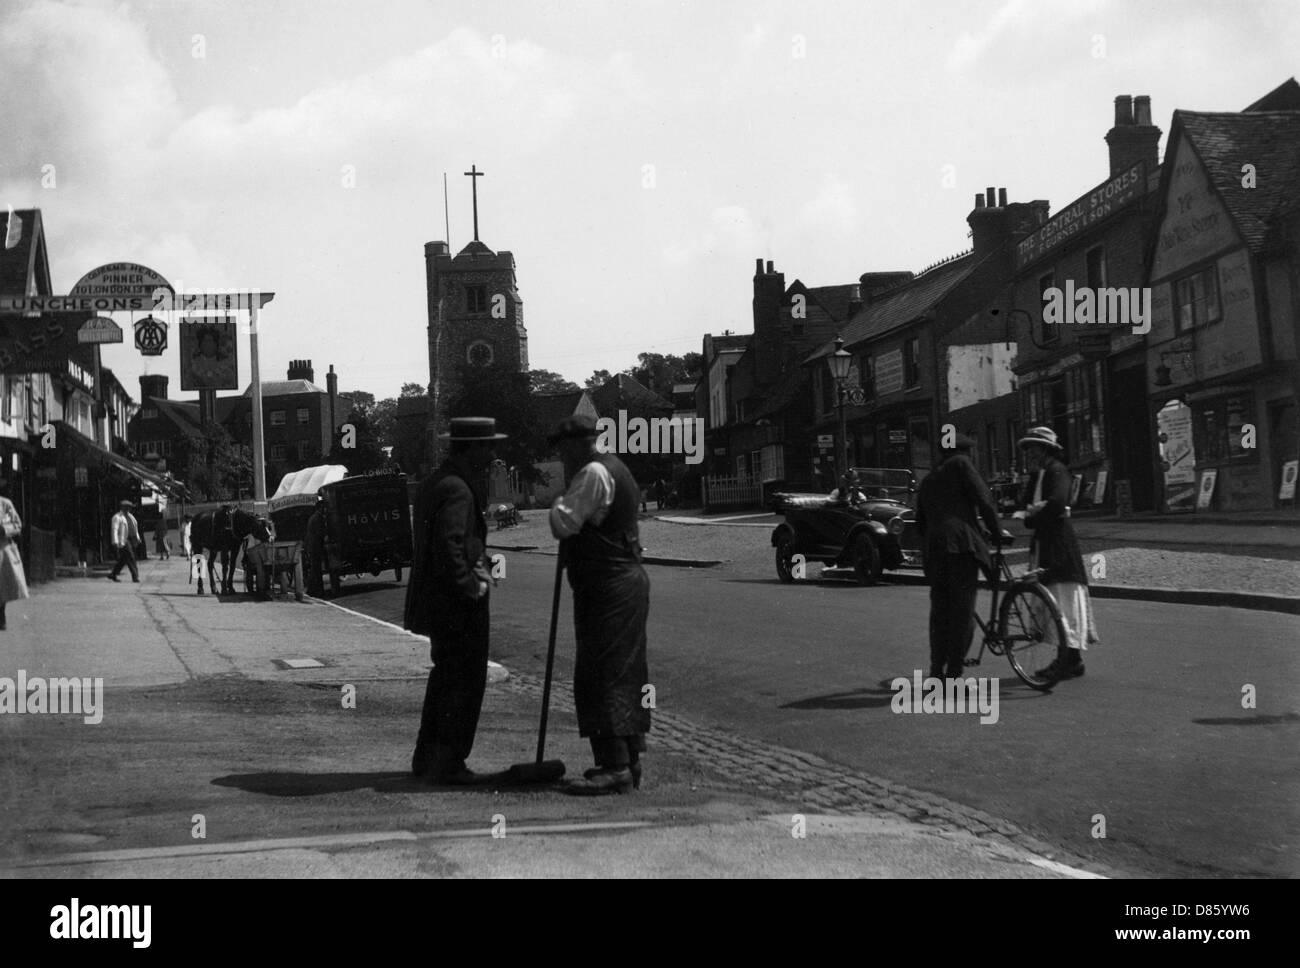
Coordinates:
596	520
124	533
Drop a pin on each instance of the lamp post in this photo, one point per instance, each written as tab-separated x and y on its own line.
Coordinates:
840	361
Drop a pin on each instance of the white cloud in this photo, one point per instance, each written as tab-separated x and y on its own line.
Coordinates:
732	231
832	211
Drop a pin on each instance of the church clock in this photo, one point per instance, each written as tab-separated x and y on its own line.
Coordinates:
480	353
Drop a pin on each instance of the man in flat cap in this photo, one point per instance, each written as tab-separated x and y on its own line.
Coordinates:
124	533
447	599
596	522
951	500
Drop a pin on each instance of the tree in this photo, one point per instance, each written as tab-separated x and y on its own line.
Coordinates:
659	372
544	381
412	390
493	391
217	466
358	450
382	418
598	379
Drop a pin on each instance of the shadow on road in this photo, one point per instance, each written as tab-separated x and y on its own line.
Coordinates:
882	694
318	784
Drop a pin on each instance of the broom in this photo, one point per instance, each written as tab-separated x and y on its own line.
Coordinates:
544	771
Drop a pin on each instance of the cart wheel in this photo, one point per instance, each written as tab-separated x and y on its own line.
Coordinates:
784	556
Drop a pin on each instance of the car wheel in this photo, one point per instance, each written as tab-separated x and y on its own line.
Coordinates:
867	566
785	558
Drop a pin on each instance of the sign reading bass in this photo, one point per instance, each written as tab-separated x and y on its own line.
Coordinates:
1103	201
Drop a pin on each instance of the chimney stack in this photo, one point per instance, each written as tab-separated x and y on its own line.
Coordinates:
770	268
153	386
301	370
855	299
988	222
1133	138
332	386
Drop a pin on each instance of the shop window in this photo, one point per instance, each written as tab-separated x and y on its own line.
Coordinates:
1218	430
1196	300
1085	411
912	362
1046	332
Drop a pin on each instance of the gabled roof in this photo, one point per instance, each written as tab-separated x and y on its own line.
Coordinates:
27	259
550	408
904	304
833	299
1269	140
622	392
1284	97
181	413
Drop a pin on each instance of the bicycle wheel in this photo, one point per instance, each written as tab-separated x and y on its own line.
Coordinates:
1030	627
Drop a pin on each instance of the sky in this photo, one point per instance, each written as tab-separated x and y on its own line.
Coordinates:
639	156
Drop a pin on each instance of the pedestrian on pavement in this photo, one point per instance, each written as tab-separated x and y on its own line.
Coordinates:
1055	548
13	580
952	500
447	599
660	491
600	545
315	549
160	539
185	536
124	533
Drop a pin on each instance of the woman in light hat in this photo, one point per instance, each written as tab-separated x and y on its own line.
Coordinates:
1055	548
13	580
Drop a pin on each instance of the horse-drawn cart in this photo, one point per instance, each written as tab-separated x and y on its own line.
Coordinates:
274	562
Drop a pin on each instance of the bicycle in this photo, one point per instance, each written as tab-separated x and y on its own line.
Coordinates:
1029	624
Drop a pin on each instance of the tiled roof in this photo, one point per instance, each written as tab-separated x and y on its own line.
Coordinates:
904	304
833	299
183	414
279	388
1269	140
621	392
550	408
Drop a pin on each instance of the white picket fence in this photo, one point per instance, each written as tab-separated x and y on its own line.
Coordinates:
732	491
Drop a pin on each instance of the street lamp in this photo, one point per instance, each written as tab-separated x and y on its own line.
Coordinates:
840	362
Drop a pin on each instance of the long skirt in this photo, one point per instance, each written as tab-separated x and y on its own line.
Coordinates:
611	602
1076	612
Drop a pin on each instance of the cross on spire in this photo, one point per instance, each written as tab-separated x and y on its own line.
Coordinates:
474	175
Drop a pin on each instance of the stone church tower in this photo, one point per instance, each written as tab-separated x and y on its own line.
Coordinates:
476	317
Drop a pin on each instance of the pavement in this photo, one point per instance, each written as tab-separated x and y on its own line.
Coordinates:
226	715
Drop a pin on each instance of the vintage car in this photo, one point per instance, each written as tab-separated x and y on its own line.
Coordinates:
871	529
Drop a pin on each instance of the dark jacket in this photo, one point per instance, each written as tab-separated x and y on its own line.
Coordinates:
450	538
949	505
1054	545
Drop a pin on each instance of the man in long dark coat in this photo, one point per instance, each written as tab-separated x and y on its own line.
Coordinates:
447	599
596	520
949	505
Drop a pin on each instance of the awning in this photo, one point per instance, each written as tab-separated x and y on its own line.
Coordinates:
298	488
159	482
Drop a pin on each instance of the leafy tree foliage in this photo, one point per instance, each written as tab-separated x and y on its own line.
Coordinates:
365	454
544	381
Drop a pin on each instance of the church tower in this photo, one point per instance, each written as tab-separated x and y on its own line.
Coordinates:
476	319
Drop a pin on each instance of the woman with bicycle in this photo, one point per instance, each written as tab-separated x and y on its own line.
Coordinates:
1055	548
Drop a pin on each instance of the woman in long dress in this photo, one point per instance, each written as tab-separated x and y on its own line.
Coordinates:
13	580
1055	548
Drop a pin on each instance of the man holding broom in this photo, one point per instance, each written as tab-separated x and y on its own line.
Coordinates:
596	520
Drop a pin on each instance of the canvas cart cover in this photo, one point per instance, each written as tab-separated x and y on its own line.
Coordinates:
298	489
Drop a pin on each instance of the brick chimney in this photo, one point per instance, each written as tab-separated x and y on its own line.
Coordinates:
1133	138
301	370
988	223
332	387
773	323
153	386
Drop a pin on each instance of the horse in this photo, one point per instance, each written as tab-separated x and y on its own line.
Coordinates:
223	532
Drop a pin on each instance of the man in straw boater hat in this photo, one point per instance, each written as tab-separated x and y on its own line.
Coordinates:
952	500
596	522
1055	547
447	599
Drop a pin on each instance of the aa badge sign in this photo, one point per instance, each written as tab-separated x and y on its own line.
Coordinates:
209	358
